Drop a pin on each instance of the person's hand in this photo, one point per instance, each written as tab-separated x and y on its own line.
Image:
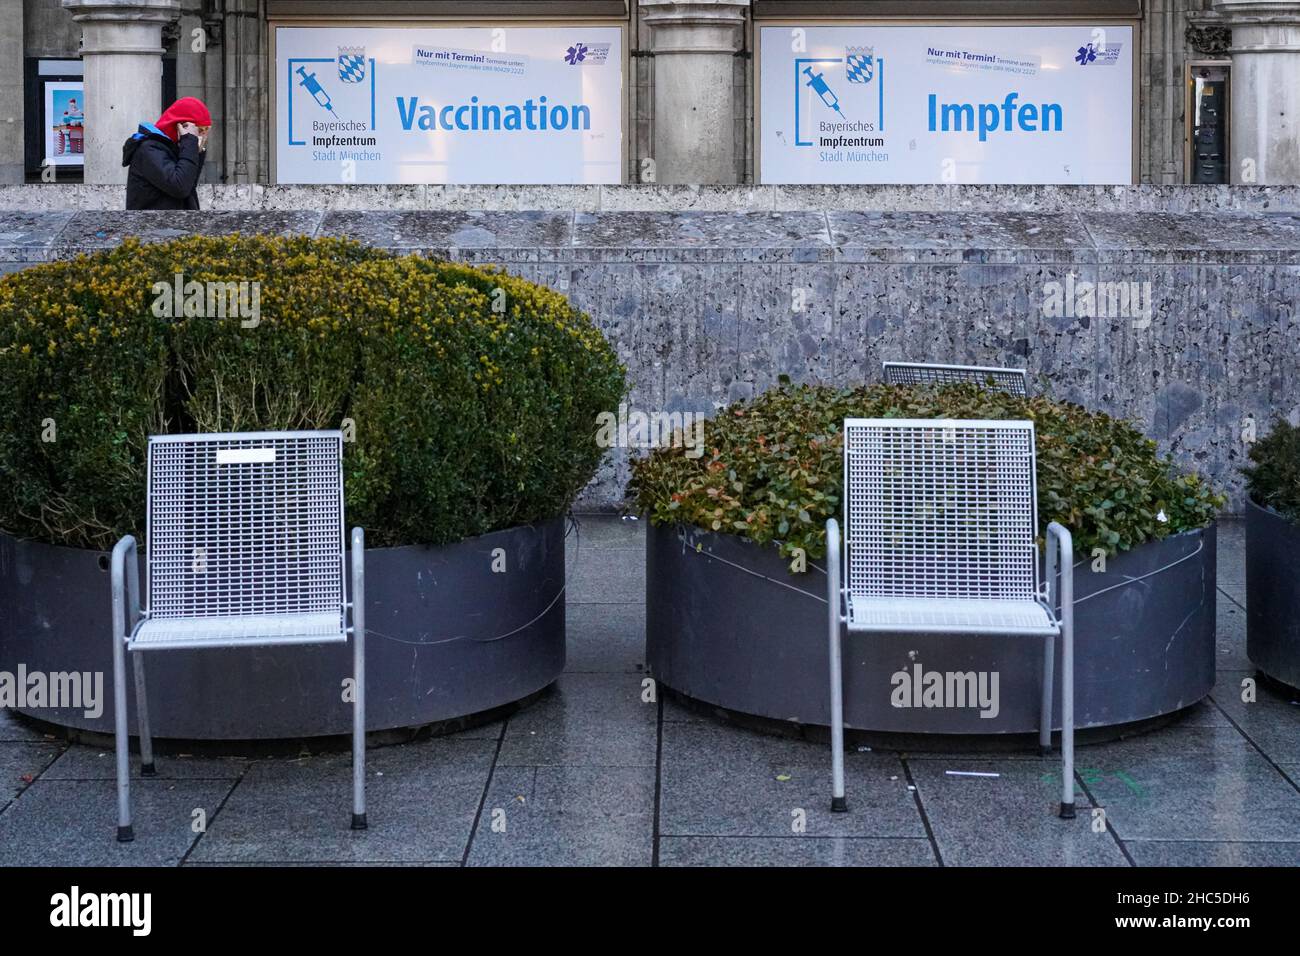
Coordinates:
186	129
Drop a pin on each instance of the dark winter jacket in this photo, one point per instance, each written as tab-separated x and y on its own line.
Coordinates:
163	174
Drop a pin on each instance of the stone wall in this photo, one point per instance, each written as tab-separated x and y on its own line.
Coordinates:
1049	200
47	30
707	307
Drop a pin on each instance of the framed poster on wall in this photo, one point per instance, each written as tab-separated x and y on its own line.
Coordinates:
454	104
1029	103
63	123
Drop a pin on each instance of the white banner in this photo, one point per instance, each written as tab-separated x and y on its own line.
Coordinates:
458	105
936	104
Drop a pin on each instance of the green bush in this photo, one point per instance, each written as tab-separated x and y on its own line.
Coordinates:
1273	478
474	393
772	467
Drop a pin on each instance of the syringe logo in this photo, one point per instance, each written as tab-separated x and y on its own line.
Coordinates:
823	90
315	90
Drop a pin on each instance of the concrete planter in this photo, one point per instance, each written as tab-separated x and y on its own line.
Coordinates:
729	625
1273	593
447	637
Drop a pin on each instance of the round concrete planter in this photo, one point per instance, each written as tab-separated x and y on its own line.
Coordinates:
447	637
729	625
1273	593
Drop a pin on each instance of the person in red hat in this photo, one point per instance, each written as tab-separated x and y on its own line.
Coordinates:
166	157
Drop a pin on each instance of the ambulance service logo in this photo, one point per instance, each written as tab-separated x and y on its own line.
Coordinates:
1099	53
586	54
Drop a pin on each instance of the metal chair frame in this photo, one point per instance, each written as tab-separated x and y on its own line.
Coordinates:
244	548
1013	380
941	519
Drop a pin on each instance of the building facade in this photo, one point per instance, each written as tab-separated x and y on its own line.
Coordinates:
689	90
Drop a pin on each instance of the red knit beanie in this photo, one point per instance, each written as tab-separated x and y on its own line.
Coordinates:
185	110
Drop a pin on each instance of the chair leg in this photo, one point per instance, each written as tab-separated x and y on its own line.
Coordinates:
1060	570
122	552
835	648
359	733
838	802
359	675
1067	718
147	768
1045	714
122	740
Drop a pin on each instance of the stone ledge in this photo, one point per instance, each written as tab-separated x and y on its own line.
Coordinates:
1125	239
655	198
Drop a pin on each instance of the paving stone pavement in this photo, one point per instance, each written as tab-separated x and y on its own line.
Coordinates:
593	774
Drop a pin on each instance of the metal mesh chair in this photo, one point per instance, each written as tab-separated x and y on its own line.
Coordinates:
1011	380
941	519
244	549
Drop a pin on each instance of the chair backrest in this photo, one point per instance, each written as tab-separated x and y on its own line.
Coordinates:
245	524
940	508
1011	380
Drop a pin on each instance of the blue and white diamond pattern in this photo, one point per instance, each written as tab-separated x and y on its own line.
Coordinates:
859	67
352	67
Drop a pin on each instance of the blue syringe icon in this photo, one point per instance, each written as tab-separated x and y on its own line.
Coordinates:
312	86
818	83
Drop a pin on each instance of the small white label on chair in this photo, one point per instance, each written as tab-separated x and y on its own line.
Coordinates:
244	456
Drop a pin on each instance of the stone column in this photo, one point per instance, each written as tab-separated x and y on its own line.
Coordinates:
11	91
1264	113
694	44
121	52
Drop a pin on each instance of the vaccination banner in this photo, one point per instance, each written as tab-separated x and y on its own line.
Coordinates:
933	104
456	105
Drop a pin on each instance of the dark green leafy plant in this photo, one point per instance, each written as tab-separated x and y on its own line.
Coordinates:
474	393
772	468
1273	478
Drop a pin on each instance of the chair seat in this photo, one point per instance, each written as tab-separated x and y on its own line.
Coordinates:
949	615
261	629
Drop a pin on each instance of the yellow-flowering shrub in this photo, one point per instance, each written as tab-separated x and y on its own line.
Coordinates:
469	394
